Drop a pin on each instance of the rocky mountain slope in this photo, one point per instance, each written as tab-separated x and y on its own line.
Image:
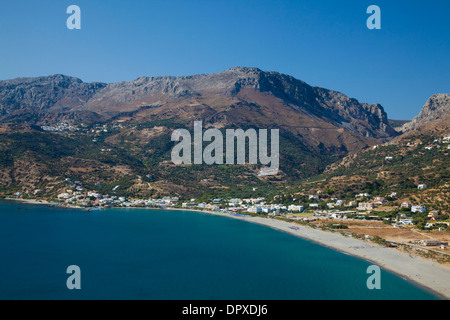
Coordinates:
128	125
33	99
238	96
438	106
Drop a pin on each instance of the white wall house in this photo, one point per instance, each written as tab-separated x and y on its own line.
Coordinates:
415	209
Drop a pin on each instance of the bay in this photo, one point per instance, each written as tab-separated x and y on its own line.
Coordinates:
163	254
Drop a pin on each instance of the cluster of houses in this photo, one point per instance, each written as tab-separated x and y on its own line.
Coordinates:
437	145
96	129
334	208
368	206
36	192
93	198
60	127
251	205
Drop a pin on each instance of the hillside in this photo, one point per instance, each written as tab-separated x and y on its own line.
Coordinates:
420	156
128	125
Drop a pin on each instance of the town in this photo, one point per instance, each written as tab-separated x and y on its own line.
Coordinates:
364	214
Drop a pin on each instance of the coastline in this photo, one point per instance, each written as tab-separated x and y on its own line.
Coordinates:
42	202
421	272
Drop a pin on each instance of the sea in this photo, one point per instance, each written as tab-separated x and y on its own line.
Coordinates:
173	255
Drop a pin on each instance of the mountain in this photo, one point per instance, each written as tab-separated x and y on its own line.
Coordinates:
238	96
437	106
52	97
123	129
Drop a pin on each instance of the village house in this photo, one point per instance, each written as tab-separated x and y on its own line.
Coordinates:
361	195
189	205
295	208
255	209
422	186
433	214
364	206
379	200
64	196
432	243
419	209
352	203
406	205
406	222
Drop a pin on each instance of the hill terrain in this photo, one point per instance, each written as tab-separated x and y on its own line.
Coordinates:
59	127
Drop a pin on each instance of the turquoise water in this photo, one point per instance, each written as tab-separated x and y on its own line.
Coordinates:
153	254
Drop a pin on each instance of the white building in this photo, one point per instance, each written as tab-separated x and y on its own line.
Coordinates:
255	209
295	208
415	209
405	205
433	214
64	195
364	206
406	222
361	195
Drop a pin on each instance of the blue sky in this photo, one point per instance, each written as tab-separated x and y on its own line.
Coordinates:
323	42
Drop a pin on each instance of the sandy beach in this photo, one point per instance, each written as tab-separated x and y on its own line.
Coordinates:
424	273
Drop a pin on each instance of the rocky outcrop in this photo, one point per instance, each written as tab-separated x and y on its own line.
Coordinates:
437	107
24	98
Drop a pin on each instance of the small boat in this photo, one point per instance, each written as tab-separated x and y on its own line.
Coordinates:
92	209
293	228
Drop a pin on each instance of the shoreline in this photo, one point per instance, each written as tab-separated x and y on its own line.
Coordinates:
423	273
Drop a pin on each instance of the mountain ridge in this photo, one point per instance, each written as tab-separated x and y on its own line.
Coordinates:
58	94
121	132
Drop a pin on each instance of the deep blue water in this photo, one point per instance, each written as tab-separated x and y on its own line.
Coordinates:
152	254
